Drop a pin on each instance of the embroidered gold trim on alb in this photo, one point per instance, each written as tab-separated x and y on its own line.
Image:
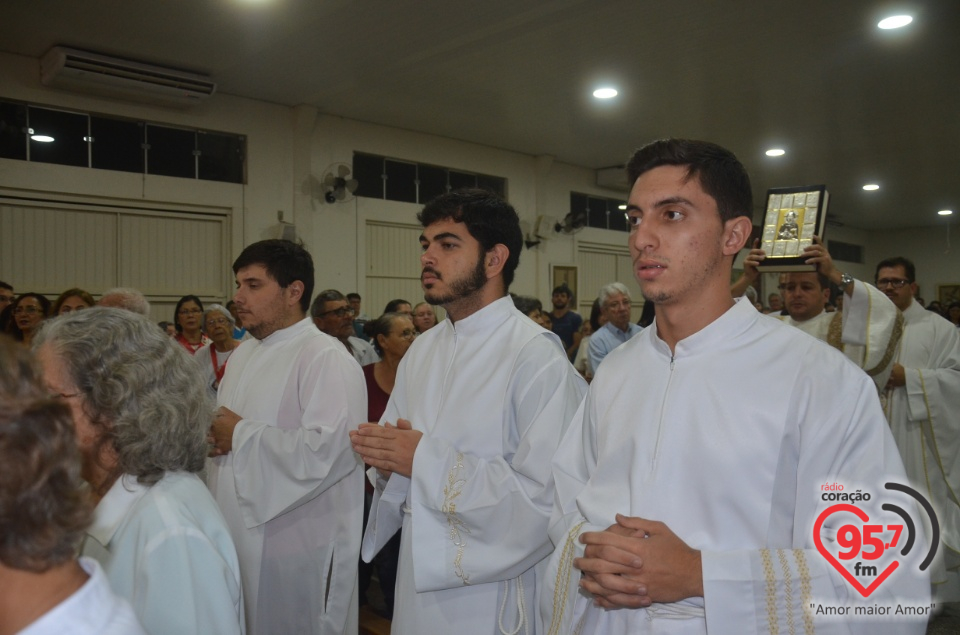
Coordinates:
805	591
458	528
771	578
562	583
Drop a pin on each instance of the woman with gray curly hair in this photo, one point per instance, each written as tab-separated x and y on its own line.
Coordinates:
141	413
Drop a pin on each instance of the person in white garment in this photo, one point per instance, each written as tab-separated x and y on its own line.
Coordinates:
463	453
141	414
866	329
283	472
923	408
689	485
44	512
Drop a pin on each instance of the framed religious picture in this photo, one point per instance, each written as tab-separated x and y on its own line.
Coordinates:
947	294
792	217
564	274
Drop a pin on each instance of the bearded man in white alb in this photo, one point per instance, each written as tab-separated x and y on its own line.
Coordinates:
923	407
284	476
480	403
689	485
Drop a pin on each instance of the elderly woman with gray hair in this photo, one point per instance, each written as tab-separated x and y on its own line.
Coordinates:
141	413
217	325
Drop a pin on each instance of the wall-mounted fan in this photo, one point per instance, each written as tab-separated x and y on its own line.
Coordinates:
338	185
572	223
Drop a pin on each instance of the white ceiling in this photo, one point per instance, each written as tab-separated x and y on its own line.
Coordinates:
850	103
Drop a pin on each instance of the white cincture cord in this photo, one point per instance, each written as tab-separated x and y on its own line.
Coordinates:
521	607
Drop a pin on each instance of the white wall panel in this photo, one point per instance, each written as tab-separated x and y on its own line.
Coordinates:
49	246
49	249
175	256
393	265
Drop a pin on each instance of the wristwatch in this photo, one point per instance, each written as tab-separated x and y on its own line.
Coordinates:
845	281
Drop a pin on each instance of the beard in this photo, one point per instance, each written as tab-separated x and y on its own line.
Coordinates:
460	288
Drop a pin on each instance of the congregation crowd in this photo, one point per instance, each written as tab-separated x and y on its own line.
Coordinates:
248	467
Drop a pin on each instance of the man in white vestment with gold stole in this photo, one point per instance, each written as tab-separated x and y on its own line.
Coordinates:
690	484
866	329
480	403
923	407
283	473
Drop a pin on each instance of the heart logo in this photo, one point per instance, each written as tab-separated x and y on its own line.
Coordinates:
862	515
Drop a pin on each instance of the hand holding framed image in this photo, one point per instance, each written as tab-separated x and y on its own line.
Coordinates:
792	217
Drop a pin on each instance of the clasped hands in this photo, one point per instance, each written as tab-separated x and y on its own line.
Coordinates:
389	448
636	562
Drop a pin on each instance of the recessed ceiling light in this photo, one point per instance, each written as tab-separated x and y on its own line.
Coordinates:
605	93
623	207
895	21
42	138
776	152
871	187
945	212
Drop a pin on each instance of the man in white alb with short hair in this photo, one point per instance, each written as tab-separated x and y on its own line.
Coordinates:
866	329
283	472
480	403
689	484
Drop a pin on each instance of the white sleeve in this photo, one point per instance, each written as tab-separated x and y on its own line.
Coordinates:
276	468
485	519
873	322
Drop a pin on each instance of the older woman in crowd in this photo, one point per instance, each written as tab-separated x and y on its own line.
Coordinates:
28	311
218	325
188	318
391	335
141	413
44	512
72	300
424	317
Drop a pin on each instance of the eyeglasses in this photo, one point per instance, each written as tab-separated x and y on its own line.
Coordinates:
343	311
29	310
896	283
190	311
407	334
69	309
217	321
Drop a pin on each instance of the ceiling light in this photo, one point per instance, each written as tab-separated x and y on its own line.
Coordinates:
605	93
945	212
895	21
776	152
871	187
623	207
42	138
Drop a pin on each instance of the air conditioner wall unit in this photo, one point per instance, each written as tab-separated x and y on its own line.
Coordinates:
77	70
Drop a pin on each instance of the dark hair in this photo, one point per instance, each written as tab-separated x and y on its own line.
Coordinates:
320	302
595	312
12	327
180	303
647	314
44	506
381	326
489	219
284	261
354	296
394	305
563	288
6	285
897	261
71	293
527	304
721	174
